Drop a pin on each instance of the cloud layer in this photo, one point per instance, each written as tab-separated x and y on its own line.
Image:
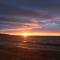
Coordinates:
29	15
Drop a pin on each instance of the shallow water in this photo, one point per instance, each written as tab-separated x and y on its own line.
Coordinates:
40	43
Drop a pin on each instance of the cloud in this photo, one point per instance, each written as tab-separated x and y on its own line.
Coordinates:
13	10
29	15
31	24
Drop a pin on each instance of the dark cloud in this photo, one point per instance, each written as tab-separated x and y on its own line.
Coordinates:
33	15
21	11
36	3
13	10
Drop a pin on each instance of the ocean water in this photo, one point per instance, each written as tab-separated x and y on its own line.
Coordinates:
42	43
30	48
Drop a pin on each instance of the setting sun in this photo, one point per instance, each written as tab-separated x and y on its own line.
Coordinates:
25	34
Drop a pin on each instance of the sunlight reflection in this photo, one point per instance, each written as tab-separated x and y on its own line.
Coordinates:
28	43
24	41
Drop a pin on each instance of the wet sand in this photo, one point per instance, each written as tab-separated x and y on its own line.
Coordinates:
28	54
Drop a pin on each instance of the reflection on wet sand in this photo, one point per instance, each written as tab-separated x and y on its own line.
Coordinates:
24	43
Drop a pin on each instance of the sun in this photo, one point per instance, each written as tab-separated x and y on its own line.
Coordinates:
25	34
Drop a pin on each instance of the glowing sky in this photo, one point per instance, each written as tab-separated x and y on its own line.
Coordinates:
37	17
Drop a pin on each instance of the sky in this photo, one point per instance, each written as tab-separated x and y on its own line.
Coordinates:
36	17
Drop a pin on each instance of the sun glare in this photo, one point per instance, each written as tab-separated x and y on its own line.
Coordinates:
25	34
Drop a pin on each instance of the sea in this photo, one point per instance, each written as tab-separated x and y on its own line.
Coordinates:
30	48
